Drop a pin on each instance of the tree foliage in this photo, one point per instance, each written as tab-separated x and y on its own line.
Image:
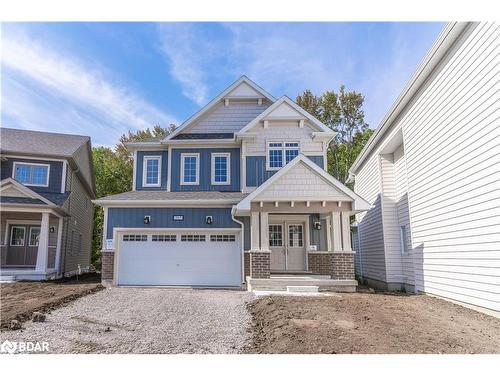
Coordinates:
113	169
342	112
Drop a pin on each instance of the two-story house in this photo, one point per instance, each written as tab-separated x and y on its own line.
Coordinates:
46	191
238	193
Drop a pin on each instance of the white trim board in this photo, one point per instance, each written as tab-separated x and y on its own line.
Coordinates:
183	156
46	184
227	155
145	160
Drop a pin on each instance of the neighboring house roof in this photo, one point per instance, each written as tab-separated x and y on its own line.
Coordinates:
204	136
216	100
451	33
20	200
359	204
200	197
75	148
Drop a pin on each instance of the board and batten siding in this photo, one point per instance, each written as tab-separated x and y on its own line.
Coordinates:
452	146
371	260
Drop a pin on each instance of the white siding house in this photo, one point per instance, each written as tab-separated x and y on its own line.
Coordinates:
432	173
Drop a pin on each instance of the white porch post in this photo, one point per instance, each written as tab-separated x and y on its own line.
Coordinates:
328	221
58	248
336	232
346	232
254	231
264	231
43	244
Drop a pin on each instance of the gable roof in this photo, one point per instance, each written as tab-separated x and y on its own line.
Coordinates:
24	191
285	100
232	88
359	204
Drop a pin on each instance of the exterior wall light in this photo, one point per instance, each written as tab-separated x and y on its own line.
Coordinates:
208	220
52	229
317	225
147	219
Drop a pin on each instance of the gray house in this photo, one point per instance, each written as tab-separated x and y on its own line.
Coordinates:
47	184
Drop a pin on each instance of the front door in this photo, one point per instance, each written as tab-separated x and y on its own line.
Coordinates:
23	245
287	245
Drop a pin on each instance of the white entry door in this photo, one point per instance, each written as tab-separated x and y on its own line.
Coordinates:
179	258
287	242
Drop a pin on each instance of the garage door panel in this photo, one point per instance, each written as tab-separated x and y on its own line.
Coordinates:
180	263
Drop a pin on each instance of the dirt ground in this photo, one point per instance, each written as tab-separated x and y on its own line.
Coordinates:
20	299
369	323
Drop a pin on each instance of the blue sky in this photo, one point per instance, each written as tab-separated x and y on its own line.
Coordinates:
103	79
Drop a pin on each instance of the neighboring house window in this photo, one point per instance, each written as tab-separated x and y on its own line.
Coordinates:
403	239
281	153
152	171
30	174
34	236
17	236
190	169
221	168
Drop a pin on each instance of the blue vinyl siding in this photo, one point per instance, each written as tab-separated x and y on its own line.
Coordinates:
163	218
55	173
140	165
257	174
205	170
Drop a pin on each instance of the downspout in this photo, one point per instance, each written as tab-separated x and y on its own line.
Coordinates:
242	244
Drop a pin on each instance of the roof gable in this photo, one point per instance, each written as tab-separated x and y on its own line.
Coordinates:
12	188
243	88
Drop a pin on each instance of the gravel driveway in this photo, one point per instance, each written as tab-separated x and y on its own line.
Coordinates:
145	320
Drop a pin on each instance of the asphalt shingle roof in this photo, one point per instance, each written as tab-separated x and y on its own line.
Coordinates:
175	195
20	200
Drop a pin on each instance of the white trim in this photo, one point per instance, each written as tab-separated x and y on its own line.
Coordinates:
216	100
104	228
183	156
227	155
145	159
57	261
64	176
24	189
283	152
29	236
243	166
134	171
169	168
11	232
29	157
166	203
31	164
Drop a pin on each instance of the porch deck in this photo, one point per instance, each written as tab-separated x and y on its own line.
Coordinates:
280	282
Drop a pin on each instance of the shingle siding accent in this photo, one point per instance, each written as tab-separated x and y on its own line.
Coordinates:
140	165
205	170
163	218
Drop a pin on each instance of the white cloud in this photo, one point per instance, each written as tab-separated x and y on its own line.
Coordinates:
42	88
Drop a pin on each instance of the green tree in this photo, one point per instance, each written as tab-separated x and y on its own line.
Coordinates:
113	169
343	113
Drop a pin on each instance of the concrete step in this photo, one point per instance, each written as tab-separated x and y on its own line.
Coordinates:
302	289
7	278
281	284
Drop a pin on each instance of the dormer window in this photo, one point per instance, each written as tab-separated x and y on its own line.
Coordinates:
152	171
281	153
31	174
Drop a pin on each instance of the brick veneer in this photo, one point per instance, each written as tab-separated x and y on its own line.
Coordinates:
107	261
260	264
343	265
320	263
246	263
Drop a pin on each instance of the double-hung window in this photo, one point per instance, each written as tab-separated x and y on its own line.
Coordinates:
31	174
152	171
190	169
221	168
281	153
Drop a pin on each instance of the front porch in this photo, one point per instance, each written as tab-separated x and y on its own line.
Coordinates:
30	243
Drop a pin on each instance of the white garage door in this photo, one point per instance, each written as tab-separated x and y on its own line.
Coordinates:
179	258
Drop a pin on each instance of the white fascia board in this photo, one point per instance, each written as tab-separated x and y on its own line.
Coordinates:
359	203
216	100
149	146
450	34
285	99
163	203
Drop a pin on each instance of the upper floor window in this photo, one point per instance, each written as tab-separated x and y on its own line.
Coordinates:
31	174
152	171
190	169
221	168
281	153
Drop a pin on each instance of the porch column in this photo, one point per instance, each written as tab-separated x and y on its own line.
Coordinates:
43	244
57	263
264	231
254	232
336	232
346	232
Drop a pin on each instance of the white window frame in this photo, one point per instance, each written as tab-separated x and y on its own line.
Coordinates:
144	170
227	155
283	152
197	156
403	239
16	163
29	236
12	232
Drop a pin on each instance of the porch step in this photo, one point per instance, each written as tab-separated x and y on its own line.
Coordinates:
302	289
283	283
7	279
